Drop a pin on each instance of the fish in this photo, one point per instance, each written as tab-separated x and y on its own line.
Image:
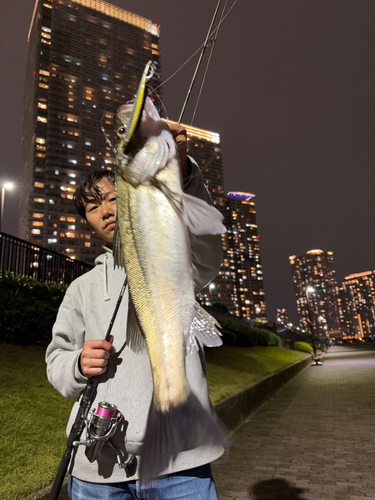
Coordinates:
151	242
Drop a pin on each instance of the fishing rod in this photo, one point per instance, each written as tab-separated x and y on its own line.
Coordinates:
106	414
205	45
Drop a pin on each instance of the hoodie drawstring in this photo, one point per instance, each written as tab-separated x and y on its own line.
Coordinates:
106	296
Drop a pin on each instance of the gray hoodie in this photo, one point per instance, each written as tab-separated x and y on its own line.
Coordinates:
84	315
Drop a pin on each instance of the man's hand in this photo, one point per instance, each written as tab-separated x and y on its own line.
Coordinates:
94	357
179	135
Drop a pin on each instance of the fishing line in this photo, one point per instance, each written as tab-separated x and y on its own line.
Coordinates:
212	40
198	49
105	134
153	91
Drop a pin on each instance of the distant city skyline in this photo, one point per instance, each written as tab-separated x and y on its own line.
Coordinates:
295	118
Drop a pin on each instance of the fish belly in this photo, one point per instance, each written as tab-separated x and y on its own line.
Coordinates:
159	270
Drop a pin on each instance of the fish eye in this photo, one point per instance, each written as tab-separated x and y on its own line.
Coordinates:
121	131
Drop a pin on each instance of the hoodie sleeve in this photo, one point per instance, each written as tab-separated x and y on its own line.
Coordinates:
206	250
68	337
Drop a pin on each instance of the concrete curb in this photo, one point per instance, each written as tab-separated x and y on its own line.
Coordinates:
232	410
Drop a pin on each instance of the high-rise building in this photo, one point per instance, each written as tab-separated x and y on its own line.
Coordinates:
316	293
282	318
204	147
239	284
359	305
85	58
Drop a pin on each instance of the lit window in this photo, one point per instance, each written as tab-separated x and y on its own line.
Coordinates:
57	172
39	184
62	218
42	119
35	231
38	215
52	240
43	86
40	148
39	200
87	244
41	105
71	219
40	140
37	223
41	71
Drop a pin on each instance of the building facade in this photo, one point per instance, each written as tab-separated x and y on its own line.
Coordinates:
358	305
239	285
282	318
85	58
316	292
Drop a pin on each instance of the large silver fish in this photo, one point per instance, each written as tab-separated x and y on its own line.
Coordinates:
152	243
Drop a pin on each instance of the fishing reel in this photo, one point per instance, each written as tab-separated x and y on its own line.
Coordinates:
101	424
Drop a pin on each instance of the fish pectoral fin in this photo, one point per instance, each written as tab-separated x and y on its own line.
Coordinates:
201	217
203	329
118	251
134	334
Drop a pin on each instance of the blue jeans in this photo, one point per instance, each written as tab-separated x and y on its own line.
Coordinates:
192	484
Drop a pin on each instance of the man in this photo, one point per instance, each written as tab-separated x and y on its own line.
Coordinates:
124	378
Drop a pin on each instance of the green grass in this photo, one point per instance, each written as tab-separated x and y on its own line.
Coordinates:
230	369
33	416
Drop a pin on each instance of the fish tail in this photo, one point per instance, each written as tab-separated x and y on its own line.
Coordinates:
181	428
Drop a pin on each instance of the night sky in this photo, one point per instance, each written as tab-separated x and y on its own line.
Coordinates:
291	91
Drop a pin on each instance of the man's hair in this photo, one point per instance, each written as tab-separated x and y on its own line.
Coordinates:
88	189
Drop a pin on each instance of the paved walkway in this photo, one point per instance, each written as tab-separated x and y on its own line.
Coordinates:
315	439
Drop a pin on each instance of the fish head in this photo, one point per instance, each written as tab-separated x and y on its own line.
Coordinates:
123	118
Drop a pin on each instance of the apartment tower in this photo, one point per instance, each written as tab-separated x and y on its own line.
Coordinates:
359	305
85	58
316	293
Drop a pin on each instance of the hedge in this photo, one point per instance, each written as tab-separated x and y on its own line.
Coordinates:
240	335
28	309
303	347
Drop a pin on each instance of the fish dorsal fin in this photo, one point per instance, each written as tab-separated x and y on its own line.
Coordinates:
134	334
118	251
203	329
201	217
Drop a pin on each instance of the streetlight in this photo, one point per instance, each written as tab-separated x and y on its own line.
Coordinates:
310	289
9	186
211	286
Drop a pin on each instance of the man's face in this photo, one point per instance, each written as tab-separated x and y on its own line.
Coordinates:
101	212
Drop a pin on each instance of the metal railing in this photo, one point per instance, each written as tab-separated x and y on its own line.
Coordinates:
27	259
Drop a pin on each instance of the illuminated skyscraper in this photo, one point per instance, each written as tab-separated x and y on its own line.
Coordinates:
240	282
282	318
85	58
316	293
359	305
204	147
239	285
